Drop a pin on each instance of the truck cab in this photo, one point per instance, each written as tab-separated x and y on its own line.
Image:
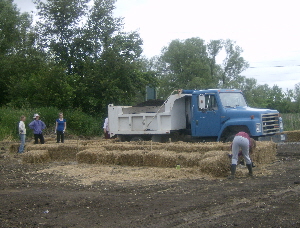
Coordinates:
222	113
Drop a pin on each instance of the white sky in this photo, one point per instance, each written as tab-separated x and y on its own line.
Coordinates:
267	30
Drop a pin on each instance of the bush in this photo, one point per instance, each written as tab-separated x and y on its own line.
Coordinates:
78	123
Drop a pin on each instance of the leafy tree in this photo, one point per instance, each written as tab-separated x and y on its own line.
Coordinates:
18	56
192	64
233	64
101	60
214	47
184	64
296	96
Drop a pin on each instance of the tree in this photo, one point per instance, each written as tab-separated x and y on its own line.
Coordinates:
101	60
192	64
18	55
233	64
59	26
214	47
184	64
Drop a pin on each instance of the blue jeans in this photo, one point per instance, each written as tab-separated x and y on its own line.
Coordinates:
22	145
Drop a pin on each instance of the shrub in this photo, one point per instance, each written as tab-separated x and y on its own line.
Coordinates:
78	123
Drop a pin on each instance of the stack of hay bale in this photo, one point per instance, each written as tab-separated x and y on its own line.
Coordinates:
211	158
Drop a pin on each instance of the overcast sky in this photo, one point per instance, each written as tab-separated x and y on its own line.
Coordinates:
267	30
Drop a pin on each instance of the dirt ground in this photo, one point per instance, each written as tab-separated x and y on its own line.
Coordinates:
67	194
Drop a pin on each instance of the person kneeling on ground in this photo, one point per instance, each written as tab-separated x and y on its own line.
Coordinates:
241	140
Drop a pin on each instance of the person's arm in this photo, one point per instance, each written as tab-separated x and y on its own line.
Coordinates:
21	127
31	125
55	126
65	125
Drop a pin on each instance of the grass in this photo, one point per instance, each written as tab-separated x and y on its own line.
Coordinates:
291	121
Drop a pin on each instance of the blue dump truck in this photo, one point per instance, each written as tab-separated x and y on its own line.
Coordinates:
195	115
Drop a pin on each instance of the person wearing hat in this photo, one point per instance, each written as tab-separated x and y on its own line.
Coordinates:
37	126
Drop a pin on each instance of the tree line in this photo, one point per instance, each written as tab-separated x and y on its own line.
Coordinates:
77	56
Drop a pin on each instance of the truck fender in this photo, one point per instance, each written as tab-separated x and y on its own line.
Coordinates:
230	128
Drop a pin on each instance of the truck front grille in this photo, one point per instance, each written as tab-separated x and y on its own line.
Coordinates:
270	123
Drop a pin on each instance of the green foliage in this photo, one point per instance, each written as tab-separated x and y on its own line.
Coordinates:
78	123
291	121
191	64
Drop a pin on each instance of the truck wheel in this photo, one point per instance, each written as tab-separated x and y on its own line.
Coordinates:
229	138
136	139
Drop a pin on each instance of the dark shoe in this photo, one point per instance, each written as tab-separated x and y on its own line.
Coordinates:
232	169
249	166
231	177
297	182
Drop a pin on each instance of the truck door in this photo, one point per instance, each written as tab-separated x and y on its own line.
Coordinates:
206	115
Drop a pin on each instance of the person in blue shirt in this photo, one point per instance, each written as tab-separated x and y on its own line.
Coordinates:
37	126
60	128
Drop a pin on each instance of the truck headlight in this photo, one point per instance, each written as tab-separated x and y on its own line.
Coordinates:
280	124
258	127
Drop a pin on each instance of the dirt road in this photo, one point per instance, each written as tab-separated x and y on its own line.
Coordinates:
31	197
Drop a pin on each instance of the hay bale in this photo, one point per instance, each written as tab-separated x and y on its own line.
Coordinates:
63	152
265	152
215	163
87	156
130	158
196	147
36	156
96	156
160	158
125	146
14	148
59	151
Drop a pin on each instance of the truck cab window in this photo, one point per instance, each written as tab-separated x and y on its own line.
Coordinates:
232	100
207	102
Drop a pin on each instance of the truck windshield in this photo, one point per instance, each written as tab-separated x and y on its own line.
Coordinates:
232	100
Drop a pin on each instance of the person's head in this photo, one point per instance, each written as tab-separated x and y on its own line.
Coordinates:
23	118
36	116
61	115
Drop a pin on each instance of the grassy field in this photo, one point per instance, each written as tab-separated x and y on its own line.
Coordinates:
291	121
